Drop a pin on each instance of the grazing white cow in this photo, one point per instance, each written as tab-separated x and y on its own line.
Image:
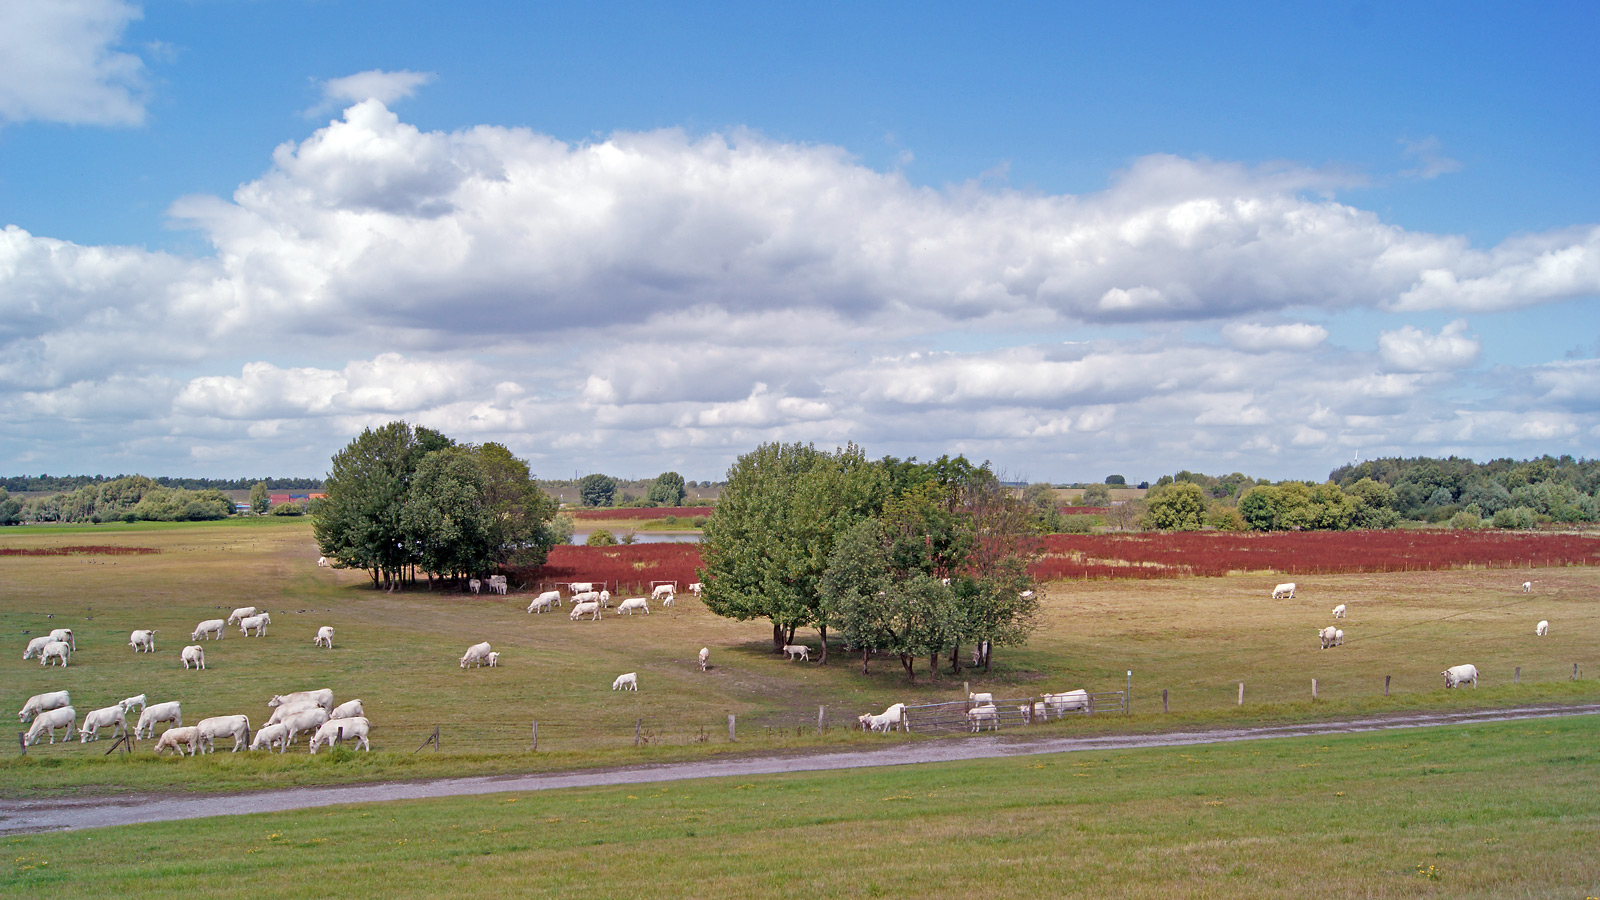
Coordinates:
269	736
667	600
259	622
627	606
171	711
797	651
196	654
1327	636
628	681
1543	628
605	599
323	562
987	714
47	723
129	703
705	658
1456	676
696	588
1527	587
322	697
55	650
1338	611
208	628
208	730
586	597
981	698
580	587
35	645
497	583
354	728
305	720
347	709
241	613
663	590
143	640
65	636
474	585
39	703
889	718
177	739
590	608
289	709
94	721
1068	701
1026	595
1284	590
545	602
477	655
324	638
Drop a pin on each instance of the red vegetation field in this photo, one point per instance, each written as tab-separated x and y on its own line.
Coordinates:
87	550
1084	510
628	567
1175	555
660	512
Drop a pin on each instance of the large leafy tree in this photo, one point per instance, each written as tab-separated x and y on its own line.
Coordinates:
668	489
445	524
597	490
1180	506
521	527
359	523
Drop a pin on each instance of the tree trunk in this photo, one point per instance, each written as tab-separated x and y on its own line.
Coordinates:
777	638
933	664
910	662
955	658
866	653
823	630
790	638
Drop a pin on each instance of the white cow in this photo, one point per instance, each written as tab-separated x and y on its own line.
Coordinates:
628	681
987	714
605	599
354	728
305	720
982	698
196	654
889	718
35	645
667	600
696	588
705	658
627	606
474	585
64	635
1543	628
241	613
1068	701
590	608
323	697
586	597
497	583
48	721
347	709
143	640
171	711
129	703
208	628
1040	710
1338	611
259	622
1527	587
493	659
324	638
289	709
236	727
1284	590
477	654
663	590
1328	636
1456	676
580	587
545	602
323	562
179	738
60	650
92	723
38	703
797	651
1338	637
269	736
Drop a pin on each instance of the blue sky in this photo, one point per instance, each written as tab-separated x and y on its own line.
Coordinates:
1074	239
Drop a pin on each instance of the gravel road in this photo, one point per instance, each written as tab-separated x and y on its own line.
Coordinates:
98	812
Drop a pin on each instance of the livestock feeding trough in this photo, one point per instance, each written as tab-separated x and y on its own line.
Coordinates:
944	718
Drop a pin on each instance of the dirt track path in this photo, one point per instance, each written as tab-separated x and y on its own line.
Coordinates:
68	814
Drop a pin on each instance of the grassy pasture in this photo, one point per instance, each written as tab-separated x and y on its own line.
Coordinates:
1195	637
1482	811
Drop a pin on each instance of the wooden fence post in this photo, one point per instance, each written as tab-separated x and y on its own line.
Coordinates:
1313	689
1241	693
730	727
22	741
431	739
1574	671
1386	684
637	724
1127	699
1516	677
819	719
1164	700
535	735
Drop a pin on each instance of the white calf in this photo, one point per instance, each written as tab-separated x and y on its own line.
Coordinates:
208	730
1040	710
988	714
241	613
696	588
545	602
705	658
1456	676
797	651
129	703
143	640
258	622
666	601
982	698
1338	611
208	628
323	562
351	729
493	659
626	682
304	720
64	635
663	590
347	709
38	703
177	739
590	608
1328	636
1068	701
55	650
497	583
171	711
1284	590
477	654
1543	628
627	606
48	722
1338	637
324	638
35	645
269	736
111	715
474	585
194	653
1527	587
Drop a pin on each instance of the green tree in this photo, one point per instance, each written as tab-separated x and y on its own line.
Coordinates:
359	523
1095	495
1180	506
1117	480
518	511
445	523
10	508
259	498
668	489
601	537
597	490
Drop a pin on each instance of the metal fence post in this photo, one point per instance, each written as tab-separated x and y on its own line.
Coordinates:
1127	701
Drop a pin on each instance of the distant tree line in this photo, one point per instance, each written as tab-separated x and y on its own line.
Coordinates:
64	483
128	498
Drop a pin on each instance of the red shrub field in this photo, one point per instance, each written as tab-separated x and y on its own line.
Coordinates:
88	550
624	567
1174	555
660	512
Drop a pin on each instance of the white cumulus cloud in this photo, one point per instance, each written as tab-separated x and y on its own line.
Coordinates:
59	63
1292	336
374	84
1413	350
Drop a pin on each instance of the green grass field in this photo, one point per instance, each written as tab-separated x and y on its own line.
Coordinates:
1483	811
1196	638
